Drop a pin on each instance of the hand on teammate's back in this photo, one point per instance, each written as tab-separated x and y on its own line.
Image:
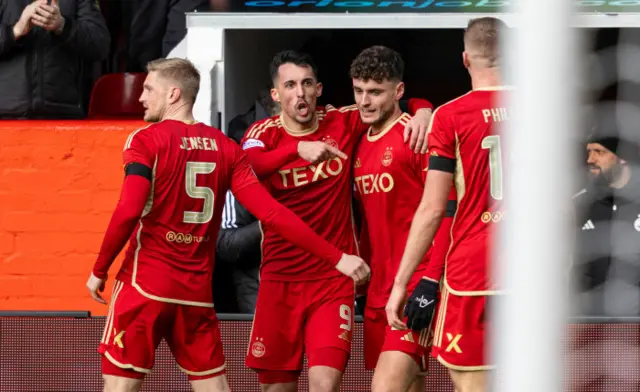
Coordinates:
354	267
316	152
421	305
415	132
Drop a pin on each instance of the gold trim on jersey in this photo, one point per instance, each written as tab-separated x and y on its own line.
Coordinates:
433	116
304	132
108	325
479	293
353	228
127	143
329	108
403	118
458	179
149	204
261	245
437	334
126	365
464	368
349	108
257	130
204	373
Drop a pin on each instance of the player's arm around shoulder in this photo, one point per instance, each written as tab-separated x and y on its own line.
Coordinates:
416	130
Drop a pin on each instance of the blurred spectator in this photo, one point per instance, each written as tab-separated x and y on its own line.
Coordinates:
262	108
45	48
607	256
239	241
157	26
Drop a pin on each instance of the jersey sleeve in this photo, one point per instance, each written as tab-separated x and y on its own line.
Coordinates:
140	148
133	197
242	174
258	136
261	151
442	143
419	163
439	250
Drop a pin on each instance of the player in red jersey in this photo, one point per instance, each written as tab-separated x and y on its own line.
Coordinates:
464	143
169	212
389	180
304	157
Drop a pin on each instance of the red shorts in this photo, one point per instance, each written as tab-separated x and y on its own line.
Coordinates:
297	318
379	337
459	340
136	324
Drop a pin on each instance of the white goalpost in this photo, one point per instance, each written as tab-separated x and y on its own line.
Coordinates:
534	246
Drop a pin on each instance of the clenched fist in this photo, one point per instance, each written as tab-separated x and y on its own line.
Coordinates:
354	267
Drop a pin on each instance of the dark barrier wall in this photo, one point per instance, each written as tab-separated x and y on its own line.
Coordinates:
43	354
55	355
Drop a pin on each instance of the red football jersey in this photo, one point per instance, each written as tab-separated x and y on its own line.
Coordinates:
389	179
465	134
171	253
319	194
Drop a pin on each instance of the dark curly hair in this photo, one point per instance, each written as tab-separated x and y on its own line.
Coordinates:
378	63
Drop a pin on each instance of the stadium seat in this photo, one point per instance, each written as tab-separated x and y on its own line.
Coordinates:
116	96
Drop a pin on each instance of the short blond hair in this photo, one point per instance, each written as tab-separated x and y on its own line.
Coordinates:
180	71
482	40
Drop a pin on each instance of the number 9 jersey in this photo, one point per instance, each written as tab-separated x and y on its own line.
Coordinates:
464	139
171	253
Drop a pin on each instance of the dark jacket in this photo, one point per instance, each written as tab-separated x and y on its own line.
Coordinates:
157	26
240	235
607	258
239	248
41	73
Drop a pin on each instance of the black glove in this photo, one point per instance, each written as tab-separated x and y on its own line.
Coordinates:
421	305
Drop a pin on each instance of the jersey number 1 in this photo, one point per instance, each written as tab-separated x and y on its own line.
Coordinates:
199	192
495	165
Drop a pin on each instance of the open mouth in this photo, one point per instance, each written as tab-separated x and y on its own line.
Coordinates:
302	108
